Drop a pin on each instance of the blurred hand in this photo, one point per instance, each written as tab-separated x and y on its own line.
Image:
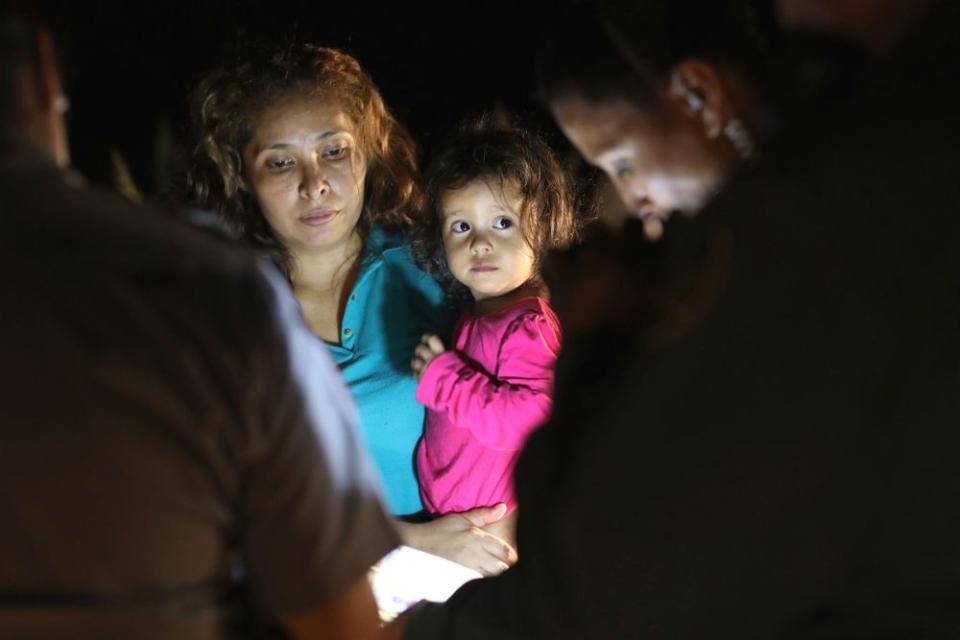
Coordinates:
429	348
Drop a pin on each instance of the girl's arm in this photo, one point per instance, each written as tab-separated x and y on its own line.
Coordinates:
500	411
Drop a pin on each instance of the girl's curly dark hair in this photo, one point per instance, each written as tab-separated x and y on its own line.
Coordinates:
490	149
227	104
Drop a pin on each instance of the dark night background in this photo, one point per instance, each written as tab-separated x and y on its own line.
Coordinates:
130	67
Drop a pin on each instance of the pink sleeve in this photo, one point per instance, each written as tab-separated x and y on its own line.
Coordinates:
501	411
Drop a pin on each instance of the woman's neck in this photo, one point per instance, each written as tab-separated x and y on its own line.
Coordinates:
325	269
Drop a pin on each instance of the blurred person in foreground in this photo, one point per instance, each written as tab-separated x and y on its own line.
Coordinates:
178	459
785	468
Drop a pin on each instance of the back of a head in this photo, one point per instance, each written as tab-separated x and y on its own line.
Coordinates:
876	25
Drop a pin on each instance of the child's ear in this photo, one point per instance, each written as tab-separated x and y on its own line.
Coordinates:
696	85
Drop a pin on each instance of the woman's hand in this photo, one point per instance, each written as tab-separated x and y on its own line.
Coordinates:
429	348
460	537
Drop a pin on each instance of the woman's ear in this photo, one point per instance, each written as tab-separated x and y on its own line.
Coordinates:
697	86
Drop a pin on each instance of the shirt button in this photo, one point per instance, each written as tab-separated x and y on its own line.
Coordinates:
347	332
353	296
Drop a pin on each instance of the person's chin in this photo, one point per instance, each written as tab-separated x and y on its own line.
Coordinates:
480	290
322	237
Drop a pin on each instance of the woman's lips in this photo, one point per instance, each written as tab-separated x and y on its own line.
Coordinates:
483	267
317	218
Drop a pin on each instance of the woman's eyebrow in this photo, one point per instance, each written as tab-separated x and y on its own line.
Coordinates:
286	144
328	134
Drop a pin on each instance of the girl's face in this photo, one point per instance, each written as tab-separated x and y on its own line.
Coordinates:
660	164
485	248
305	169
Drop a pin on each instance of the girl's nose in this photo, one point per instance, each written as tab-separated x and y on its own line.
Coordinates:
480	245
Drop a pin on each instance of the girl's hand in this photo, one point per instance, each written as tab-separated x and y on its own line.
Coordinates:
429	348
460	537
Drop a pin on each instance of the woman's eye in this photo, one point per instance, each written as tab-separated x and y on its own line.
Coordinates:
502	222
279	164
459	226
623	169
335	154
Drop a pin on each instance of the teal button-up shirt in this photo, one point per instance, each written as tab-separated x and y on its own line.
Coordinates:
391	305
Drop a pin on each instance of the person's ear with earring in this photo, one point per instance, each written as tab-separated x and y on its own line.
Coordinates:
701	87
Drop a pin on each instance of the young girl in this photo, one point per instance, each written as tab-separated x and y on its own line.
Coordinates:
498	201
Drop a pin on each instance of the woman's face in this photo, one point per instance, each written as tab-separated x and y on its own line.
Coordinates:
306	171
661	163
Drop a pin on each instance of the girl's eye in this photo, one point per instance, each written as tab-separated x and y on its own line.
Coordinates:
502	222
459	226
623	169
335	154
279	164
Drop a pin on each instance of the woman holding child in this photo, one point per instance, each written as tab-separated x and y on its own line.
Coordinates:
299	154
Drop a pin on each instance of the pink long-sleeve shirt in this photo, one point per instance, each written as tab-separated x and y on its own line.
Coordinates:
483	398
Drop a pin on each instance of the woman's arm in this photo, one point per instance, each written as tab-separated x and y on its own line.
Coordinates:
460	537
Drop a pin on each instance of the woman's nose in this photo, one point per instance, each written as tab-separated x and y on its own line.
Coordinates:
313	184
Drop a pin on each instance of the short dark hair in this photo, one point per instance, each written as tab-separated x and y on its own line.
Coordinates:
486	148
625	49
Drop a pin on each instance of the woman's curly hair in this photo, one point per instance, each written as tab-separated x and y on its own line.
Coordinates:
227	104
491	149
